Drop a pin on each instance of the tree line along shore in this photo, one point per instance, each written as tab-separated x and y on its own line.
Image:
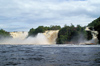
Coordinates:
66	34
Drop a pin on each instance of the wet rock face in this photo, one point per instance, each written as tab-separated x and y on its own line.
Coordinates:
91	28
89	35
99	37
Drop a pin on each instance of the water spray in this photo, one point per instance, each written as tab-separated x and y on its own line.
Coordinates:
94	35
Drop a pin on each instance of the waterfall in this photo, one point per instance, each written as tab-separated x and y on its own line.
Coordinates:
51	35
19	35
47	38
94	35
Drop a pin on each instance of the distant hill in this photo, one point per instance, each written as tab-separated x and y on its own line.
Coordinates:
95	23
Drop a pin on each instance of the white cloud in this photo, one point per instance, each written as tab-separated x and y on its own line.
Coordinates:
32	13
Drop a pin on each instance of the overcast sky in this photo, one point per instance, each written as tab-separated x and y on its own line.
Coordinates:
22	15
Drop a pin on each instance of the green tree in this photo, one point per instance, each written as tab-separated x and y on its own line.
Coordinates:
95	22
4	34
31	32
34	32
42	29
55	27
68	33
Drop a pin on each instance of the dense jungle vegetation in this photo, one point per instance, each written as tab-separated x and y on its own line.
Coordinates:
71	33
68	33
41	29
65	35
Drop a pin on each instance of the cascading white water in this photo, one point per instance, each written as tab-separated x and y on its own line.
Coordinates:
49	37
19	35
94	40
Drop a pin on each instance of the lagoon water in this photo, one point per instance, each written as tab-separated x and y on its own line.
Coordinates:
49	55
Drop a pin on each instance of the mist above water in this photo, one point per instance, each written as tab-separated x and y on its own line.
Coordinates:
94	40
47	38
39	39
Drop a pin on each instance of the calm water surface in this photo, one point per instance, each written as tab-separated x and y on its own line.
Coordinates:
49	55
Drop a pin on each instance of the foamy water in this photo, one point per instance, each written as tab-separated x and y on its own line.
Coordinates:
39	39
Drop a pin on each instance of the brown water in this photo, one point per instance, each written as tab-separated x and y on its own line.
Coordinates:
49	55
